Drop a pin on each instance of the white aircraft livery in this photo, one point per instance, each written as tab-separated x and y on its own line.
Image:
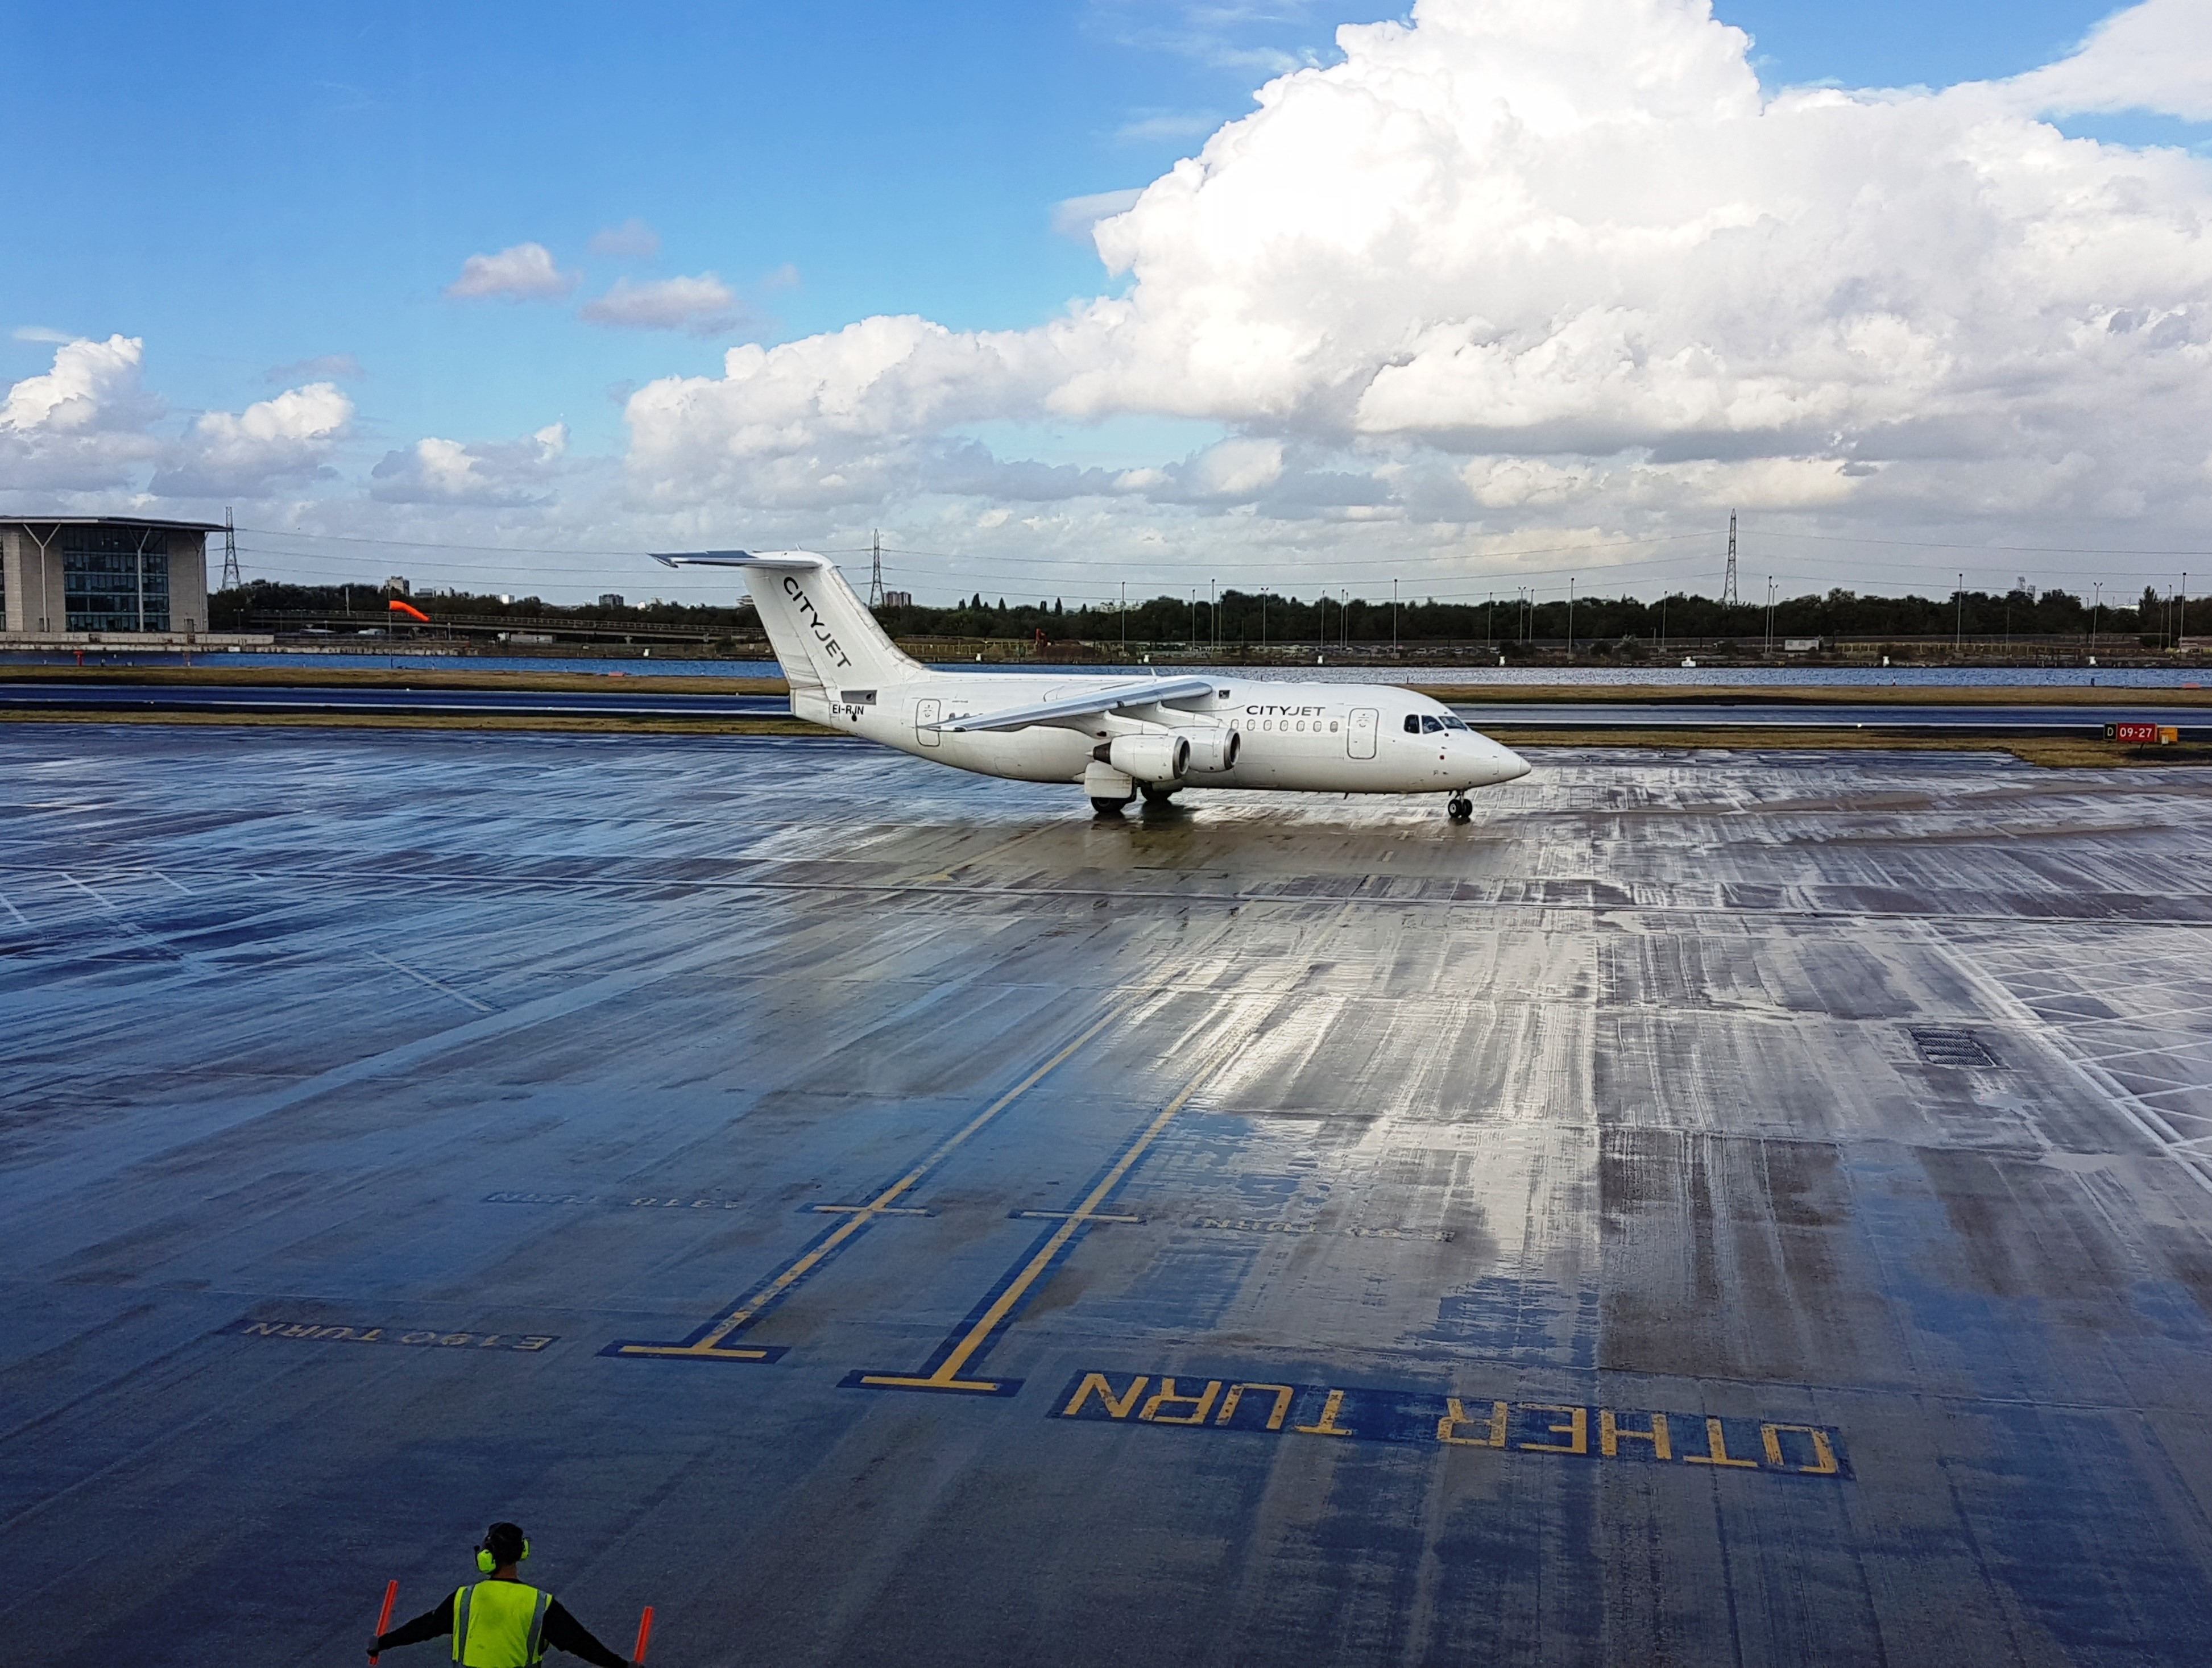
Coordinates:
1117	737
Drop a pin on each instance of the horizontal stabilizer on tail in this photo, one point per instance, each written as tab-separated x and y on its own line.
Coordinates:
1119	698
796	559
823	636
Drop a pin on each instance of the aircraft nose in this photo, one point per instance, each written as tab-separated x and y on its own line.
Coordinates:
1500	763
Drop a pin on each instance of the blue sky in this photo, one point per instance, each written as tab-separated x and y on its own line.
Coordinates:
293	182
272	194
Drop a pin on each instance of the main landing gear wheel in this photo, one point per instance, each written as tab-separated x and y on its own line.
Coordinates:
1460	809
1154	794
1109	807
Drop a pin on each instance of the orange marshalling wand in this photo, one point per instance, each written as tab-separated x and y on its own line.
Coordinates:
384	1622
644	1634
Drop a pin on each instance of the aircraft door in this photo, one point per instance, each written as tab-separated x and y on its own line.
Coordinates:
929	712
1360	741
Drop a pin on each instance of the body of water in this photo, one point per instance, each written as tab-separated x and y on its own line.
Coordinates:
1904	677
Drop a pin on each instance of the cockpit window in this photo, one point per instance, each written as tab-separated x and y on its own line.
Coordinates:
1451	723
1412	724
1431	723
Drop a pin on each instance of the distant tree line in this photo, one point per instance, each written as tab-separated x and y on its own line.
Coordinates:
1246	620
233	610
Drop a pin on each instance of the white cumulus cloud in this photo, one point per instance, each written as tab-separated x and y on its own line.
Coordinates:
438	471
1579	231
2153	57
278	442
523	272
703	305
81	425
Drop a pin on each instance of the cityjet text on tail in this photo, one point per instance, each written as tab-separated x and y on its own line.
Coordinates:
1115	736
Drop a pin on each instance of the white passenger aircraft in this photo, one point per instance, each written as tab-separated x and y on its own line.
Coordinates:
1117	737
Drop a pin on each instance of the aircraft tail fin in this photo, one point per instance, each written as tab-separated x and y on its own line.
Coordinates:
822	632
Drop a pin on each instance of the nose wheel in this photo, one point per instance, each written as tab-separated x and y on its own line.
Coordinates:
1460	807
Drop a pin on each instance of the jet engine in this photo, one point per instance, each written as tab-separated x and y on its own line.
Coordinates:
1211	750
1151	758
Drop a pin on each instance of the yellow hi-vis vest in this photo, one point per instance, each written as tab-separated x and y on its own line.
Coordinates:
499	1624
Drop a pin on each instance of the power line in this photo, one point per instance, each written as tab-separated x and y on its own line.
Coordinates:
1998	550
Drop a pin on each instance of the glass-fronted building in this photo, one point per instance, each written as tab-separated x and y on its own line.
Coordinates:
102	576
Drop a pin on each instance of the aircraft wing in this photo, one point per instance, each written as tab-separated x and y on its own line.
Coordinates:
793	559
1120	697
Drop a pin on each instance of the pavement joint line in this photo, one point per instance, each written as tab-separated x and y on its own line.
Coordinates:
710	1343
87	890
435	984
2148	1119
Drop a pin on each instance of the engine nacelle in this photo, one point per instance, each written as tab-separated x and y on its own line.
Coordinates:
1211	750
1153	758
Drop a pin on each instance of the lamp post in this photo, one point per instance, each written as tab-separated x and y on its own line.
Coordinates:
1571	617
1958	624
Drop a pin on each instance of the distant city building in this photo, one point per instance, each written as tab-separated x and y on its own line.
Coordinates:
898	599
82	576
397	582
612	599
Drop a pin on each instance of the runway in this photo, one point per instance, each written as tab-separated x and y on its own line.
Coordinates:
638	699
1742	1207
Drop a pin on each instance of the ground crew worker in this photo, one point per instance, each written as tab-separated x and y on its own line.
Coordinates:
502	1622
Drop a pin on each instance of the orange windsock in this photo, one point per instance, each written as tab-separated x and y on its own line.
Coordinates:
408	609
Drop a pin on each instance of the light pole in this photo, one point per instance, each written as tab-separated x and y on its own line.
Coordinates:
1394	617
1571	617
1123	610
2096	602
1958	623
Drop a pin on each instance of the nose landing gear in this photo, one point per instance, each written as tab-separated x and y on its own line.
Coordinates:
1460	807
